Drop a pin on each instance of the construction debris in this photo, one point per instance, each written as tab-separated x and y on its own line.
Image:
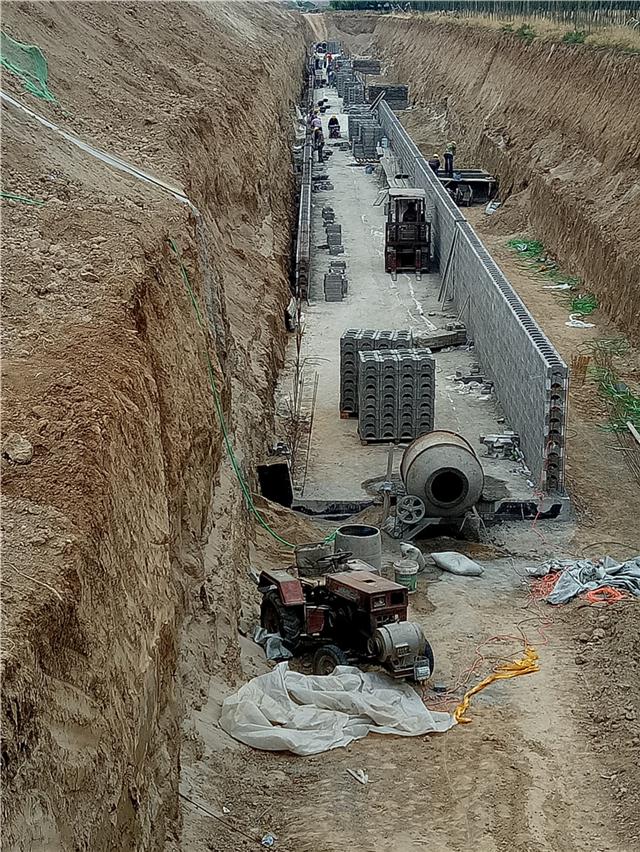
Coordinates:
502	446
578	576
360	775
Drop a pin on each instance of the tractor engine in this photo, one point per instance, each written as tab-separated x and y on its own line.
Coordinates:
401	647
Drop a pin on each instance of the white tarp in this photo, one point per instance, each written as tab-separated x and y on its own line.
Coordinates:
585	575
306	714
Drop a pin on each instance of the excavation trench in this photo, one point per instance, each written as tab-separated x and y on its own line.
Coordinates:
575	177
126	594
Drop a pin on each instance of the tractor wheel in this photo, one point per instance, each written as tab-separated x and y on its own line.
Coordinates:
275	617
327	658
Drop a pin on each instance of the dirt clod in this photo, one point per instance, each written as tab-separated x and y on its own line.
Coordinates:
17	449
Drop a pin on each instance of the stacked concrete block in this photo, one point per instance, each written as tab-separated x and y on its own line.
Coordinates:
368	395
334	235
353	93
333	47
387	364
335	280
334	288
416	401
453	334
366	65
339	267
344	77
530	378
334	231
349	372
397	97
356	115
365	134
328	215
393	340
354	341
396	394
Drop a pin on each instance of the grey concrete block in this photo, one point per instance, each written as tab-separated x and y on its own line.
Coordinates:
530	378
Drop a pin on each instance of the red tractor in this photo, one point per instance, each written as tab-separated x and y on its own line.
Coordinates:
347	617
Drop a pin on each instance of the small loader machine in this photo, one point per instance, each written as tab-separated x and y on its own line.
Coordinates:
407	233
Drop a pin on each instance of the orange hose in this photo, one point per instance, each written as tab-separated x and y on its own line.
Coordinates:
604	594
527	665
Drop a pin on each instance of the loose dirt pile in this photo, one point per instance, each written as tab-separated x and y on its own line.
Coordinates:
105	377
608	705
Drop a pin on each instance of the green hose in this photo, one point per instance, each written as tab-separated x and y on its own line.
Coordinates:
11	196
220	413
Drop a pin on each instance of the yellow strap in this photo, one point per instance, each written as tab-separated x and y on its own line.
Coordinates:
527	665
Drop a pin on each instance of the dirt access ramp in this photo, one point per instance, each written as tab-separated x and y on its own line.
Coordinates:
105	379
559	120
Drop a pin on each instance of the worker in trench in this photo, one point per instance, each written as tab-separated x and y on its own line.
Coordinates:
449	154
318	143
411	213
434	163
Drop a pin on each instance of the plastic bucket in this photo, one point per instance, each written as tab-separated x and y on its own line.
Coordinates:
406	573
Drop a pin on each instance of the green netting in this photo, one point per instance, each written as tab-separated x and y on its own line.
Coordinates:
27	62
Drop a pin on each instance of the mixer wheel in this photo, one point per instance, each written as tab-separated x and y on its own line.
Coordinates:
410	510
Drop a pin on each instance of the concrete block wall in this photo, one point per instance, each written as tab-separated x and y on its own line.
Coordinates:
303	237
530	377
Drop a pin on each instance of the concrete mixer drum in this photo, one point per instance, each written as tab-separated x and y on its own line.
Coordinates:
443	470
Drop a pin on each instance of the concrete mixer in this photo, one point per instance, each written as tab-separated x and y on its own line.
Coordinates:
443	478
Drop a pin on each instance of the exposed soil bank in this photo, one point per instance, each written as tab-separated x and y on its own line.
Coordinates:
557	119
105	376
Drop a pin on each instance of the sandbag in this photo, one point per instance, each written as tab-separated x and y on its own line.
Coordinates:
457	563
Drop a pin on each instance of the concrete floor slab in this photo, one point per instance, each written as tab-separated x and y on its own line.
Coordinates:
338	463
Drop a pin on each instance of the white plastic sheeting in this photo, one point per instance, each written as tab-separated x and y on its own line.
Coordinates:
307	714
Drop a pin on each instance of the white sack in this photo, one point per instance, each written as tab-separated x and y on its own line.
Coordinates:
410	551
457	563
307	714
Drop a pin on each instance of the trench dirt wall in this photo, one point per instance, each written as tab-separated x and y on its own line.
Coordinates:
558	120
105	377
